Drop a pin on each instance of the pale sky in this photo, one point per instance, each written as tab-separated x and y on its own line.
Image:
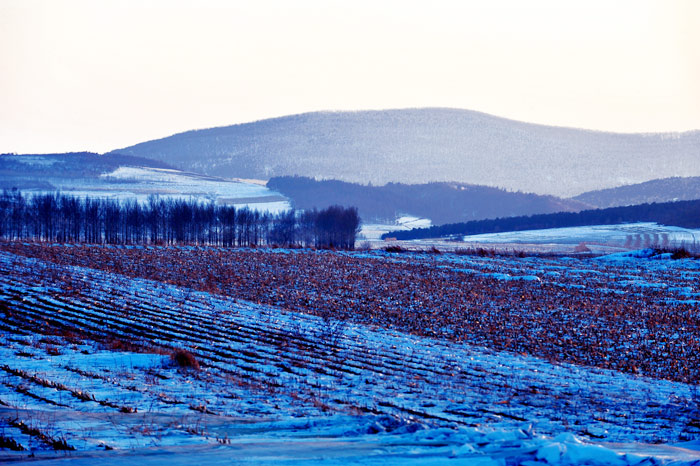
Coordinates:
98	75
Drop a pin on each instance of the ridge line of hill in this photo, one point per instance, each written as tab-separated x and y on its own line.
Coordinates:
414	146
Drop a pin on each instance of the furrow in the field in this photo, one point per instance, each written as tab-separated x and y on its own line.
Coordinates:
79	314
227	360
99	326
66	317
40	433
326	362
203	318
260	332
205	336
253	329
49	382
11	329
268	375
18	394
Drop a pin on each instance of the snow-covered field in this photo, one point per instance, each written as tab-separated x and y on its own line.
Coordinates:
79	369
597	238
141	182
374	231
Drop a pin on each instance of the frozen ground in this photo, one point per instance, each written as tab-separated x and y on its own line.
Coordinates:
280	387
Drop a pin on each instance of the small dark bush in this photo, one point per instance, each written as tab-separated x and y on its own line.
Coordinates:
60	444
682	253
10	444
184	359
677	253
394	248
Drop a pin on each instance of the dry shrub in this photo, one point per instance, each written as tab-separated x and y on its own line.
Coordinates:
683	253
482	252
118	344
184	359
678	252
10	444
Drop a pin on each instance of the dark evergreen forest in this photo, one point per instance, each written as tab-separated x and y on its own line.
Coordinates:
681	213
166	221
440	202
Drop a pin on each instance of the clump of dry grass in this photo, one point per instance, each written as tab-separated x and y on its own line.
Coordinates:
395	248
184	359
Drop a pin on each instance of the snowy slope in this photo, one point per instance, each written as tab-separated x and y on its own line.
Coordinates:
281	387
141	182
119	177
423	145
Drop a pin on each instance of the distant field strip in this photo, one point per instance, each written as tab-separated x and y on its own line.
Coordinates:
325	365
249	200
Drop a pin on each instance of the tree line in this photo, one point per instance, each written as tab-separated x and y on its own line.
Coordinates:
684	214
166	221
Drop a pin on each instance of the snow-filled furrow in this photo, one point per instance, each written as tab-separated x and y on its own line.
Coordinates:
227	361
283	336
16	392
595	277
323	364
112	391
410	409
283	333
56	388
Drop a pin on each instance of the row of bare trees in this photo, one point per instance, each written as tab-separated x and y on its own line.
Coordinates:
165	221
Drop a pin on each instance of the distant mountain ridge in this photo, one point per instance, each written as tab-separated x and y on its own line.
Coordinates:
417	146
440	202
664	190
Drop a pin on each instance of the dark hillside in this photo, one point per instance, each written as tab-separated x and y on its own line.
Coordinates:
71	164
440	202
665	190
33	171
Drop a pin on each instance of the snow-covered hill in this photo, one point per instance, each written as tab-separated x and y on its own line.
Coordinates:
423	145
118	177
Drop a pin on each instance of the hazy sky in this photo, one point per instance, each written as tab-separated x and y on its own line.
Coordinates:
98	75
